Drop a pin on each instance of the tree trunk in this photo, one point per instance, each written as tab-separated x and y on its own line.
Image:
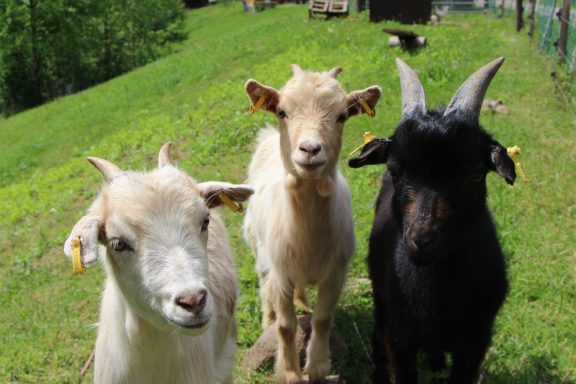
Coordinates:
532	18
519	13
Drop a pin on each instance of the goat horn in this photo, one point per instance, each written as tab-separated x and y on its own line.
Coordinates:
296	70
413	99
109	170
164	155
334	72
471	93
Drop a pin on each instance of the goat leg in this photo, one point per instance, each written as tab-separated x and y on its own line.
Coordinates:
287	361
318	353
466	361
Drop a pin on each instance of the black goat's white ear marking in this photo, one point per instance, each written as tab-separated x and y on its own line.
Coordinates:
375	152
501	163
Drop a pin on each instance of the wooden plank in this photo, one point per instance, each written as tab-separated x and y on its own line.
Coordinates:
320	6
338	6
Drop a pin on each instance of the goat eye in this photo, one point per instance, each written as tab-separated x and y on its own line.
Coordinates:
118	245
394	175
342	118
205	225
477	177
281	114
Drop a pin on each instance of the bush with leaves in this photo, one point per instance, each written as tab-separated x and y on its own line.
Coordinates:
51	48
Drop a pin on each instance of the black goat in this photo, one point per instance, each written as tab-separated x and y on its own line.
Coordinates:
437	270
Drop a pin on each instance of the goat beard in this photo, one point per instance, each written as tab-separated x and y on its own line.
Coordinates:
324	186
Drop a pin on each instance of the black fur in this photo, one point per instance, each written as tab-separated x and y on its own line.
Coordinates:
437	270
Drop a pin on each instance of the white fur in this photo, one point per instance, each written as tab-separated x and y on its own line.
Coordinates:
160	214
299	221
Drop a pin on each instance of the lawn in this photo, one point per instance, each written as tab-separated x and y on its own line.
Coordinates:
195	98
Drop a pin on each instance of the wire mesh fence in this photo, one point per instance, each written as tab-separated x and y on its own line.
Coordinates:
549	19
545	25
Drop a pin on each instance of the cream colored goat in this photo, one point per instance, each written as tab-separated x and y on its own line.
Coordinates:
167	311
299	221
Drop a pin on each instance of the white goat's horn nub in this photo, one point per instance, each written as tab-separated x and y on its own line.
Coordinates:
296	70
334	72
109	170
471	93
164	155
413	99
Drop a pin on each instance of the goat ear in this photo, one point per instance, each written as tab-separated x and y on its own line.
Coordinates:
88	230
255	90
501	163
211	191
370	95
375	152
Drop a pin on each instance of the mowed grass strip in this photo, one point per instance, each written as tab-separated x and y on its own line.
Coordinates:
195	98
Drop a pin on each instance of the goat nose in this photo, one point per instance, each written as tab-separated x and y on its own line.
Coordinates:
193	302
311	148
423	239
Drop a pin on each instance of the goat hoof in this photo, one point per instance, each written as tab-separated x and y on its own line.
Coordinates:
289	377
317	372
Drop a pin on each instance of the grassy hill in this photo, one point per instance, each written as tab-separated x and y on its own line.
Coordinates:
195	98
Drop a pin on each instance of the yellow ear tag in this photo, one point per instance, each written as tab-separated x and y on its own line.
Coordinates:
367	137
254	108
77	264
369	111
514	153
230	203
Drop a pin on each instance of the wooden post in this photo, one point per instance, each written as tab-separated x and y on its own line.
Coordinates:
519	13
532	18
564	24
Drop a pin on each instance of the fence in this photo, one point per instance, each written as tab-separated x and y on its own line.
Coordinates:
461	6
549	17
551	22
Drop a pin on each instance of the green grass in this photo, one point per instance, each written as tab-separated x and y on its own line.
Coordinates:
195	98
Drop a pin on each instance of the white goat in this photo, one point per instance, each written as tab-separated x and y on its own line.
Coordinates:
299	221
167	312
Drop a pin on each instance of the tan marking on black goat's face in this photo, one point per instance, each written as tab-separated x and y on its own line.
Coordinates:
443	210
438	173
422	226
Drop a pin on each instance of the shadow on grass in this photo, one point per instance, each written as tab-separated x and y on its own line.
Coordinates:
531	370
354	324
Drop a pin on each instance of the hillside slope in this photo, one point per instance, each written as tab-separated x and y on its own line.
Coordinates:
195	98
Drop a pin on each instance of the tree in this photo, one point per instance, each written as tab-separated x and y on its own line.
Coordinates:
50	48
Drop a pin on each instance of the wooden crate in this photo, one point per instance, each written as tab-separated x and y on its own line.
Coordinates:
338	6
319	6
328	8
